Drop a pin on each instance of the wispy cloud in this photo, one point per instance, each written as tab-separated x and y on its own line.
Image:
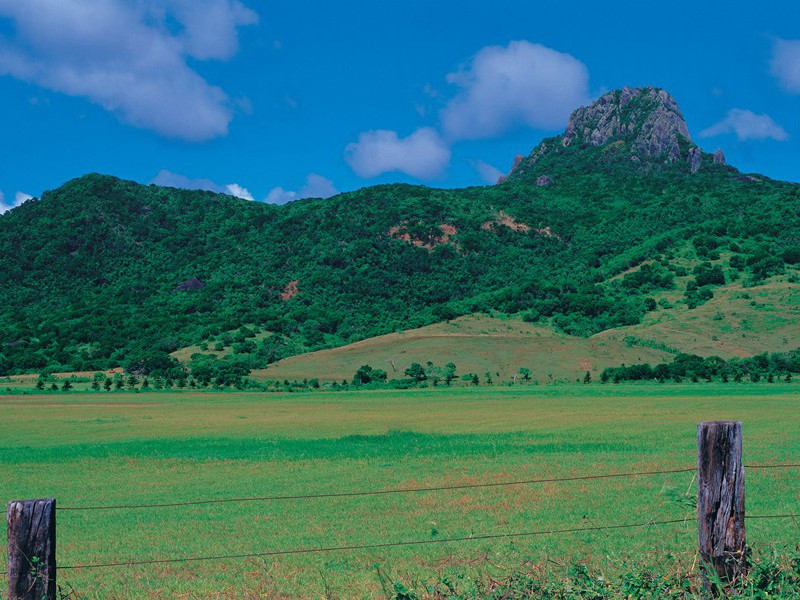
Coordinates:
489	174
131	58
747	125
785	64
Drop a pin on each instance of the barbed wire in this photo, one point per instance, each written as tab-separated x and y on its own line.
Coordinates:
415	490
438	488
492	536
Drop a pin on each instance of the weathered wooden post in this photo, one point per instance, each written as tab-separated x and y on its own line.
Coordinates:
32	549
720	500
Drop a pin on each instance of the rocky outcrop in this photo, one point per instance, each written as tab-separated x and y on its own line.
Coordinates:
719	157
647	117
189	285
695	159
517	160
544	180
638	126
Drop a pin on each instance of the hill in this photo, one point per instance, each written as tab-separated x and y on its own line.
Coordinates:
475	344
587	234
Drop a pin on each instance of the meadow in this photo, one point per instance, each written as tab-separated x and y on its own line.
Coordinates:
90	449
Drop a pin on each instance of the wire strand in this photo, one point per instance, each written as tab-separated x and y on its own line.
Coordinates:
376	492
371	546
394	544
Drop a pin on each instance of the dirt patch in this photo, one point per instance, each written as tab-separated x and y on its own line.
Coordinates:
290	290
505	220
421	239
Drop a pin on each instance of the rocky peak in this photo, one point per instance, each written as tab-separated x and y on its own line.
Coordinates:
648	118
642	126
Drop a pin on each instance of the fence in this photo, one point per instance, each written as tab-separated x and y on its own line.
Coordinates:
32	565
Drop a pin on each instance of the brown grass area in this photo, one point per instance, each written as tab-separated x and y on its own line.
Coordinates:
476	344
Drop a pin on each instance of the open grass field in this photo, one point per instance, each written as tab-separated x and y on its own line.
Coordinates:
125	448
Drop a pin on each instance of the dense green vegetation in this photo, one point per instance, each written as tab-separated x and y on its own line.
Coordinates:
769	367
92	272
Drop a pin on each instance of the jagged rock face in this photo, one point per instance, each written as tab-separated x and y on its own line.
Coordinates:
639	126
649	118
695	159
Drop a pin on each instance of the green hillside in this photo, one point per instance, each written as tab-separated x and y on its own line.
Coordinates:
103	272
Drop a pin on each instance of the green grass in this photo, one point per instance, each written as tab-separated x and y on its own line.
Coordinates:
89	449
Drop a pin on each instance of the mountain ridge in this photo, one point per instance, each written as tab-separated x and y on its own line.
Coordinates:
94	269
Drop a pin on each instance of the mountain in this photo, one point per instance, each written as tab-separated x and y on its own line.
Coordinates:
590	232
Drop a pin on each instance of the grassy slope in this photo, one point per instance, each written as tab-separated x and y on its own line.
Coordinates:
123	448
736	322
476	344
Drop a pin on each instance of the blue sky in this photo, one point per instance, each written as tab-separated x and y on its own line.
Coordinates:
282	99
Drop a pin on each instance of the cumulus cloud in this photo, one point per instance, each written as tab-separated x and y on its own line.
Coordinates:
131	58
747	126
507	86
234	189
169	179
489	174
19	198
316	186
423	154
785	64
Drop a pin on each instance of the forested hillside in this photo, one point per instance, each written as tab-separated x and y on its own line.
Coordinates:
103	272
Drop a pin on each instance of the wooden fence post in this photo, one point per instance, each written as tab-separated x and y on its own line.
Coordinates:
32	549
720	500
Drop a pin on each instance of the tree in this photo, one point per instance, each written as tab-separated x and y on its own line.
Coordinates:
67	386
449	373
363	375
107	384
525	374
416	372
489	379
587	378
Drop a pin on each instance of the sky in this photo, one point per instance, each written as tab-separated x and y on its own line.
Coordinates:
278	100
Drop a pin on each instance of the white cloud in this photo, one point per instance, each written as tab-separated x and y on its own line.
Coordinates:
169	179
519	84
423	154
19	198
234	189
489	174
316	186
747	126
129	57
785	64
